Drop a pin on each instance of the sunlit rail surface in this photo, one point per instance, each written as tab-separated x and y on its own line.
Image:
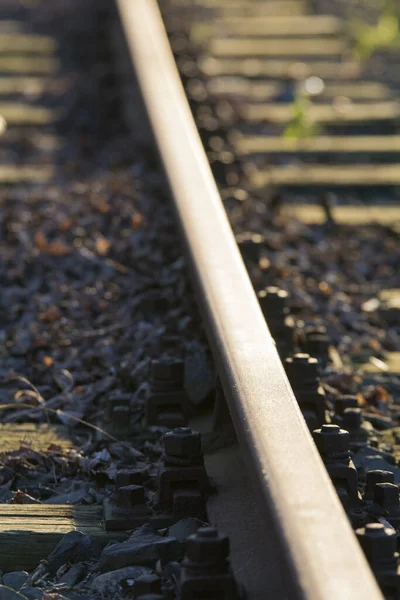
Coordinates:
140	457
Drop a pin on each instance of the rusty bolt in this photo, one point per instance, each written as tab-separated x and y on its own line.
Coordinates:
378	543
331	440
129	496
207	546
182	442
376	476
386	495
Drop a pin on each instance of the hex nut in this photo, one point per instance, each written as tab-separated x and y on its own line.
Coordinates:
182	442
130	477
272	301
377	476
147	584
386	495
207	546
343	402
129	496
167	369
330	439
352	419
378	542
301	367
250	245
120	414
317	341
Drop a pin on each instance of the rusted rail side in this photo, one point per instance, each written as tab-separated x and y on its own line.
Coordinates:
323	555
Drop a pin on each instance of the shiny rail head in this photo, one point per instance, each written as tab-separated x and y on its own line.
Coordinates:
323	556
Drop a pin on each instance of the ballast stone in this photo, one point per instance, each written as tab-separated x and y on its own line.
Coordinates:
144	547
15	579
110	584
74	547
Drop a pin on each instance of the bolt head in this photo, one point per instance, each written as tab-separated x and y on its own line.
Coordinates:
130	477
182	442
129	496
301	367
377	476
147	584
344	402
167	369
250	245
272	301
378	542
301	358
207	546
317	341
352	419
120	414
386	495
330	439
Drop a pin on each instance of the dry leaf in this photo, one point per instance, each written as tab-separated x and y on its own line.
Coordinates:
40	240
65	224
137	220
50	315
48	361
58	248
103	208
102	246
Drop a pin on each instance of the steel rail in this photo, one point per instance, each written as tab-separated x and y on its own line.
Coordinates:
323	555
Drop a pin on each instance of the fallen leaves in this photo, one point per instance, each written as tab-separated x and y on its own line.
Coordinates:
48	361
50	315
55	248
102	246
137	220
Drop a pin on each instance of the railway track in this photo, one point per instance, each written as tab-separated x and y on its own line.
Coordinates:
102	232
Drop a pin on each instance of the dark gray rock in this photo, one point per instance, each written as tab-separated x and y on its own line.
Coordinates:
75	574
32	593
185	527
144	547
379	421
15	579
7	593
110	584
368	460
71	595
74	547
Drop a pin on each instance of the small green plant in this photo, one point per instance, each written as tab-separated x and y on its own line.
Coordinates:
300	125
384	35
